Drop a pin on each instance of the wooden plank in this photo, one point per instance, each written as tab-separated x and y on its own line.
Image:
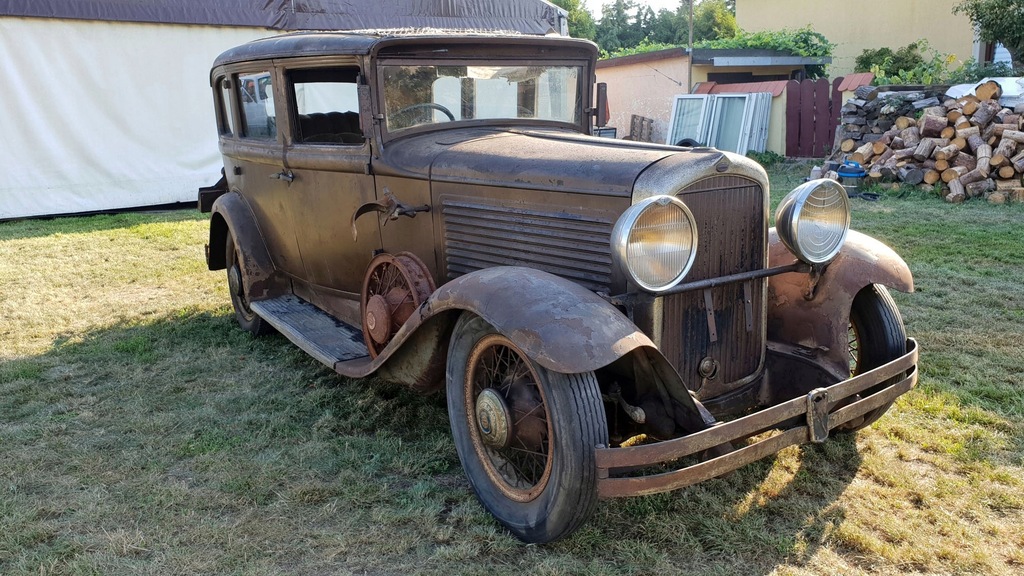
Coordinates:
807	119
822	119
792	118
836	105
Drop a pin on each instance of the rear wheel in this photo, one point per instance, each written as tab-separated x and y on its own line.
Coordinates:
876	336
525	435
247	319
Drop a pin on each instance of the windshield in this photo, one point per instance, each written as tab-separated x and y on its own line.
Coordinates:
416	95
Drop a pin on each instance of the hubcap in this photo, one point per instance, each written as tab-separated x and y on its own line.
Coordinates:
235	280
378	319
493	419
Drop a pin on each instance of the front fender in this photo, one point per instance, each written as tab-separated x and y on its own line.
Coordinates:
561	325
821	324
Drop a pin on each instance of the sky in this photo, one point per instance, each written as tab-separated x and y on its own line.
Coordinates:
595	5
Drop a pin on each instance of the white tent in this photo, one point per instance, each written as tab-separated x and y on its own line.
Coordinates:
107	103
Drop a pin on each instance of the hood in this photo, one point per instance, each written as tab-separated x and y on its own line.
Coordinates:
530	159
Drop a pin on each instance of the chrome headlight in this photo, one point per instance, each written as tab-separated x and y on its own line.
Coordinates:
813	219
655	241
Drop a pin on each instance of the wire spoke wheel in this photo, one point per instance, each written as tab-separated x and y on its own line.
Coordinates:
512	431
393	288
526	435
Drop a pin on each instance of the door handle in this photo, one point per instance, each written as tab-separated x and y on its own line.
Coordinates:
285	175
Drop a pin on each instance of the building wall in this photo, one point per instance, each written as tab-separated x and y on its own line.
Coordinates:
854	27
644	88
106	115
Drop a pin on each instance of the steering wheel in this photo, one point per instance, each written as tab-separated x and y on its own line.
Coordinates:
428	105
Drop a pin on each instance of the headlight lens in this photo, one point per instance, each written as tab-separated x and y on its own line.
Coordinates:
813	219
655	242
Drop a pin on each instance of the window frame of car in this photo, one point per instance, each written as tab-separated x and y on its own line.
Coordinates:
323	64
580	126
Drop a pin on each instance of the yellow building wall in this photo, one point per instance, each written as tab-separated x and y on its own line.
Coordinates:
865	24
646	89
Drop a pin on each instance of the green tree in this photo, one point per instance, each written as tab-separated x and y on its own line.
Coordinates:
581	22
998	21
713	20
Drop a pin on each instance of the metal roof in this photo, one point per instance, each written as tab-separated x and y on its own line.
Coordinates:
523	16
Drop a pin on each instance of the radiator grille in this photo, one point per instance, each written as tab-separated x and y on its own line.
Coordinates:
731	229
479	234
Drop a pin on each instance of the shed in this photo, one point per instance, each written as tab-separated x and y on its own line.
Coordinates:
107	102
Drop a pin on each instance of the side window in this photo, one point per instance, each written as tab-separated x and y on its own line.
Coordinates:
326	106
226	120
256	96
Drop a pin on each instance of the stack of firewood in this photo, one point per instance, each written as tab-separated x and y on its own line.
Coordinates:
972	146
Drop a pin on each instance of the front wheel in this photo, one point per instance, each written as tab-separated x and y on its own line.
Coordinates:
876	337
525	435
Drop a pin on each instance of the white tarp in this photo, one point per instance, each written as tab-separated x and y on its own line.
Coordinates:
104	115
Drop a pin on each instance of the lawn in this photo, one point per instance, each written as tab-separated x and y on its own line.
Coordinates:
141	432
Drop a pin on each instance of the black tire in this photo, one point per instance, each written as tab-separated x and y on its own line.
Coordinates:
247	319
877	336
540	478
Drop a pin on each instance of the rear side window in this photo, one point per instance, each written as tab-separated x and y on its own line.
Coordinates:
227	121
326	106
256	97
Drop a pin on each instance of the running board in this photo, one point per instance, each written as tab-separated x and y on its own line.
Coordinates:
319	334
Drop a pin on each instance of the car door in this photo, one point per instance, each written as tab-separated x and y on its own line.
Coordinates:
254	161
330	160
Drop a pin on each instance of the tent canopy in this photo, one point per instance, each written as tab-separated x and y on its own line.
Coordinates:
536	17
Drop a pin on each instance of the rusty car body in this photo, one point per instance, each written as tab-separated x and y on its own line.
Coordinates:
608	318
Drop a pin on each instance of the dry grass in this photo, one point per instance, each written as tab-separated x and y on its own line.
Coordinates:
142	433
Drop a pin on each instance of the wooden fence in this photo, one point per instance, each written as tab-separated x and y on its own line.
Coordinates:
812	115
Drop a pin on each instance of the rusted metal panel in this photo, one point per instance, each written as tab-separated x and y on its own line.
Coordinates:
481	233
821	323
610	459
259	276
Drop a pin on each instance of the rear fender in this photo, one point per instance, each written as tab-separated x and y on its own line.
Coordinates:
819	325
231	215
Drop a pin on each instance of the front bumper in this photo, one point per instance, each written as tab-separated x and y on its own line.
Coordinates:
816	414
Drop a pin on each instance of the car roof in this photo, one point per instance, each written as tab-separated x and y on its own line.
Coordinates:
326	43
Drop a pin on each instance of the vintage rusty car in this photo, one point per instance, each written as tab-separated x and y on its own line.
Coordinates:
607	318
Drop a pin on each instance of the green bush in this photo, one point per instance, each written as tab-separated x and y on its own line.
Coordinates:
905	58
908	66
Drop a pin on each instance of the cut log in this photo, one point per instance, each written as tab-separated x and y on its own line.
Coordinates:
957	194
912	137
966	160
975	189
984	156
903	153
928	164
847	145
924	150
879	146
962	122
866	93
1015	135
959	142
1018	162
995	197
941	165
953	115
946	152
998	161
904	122
1006	147
863	154
1008	183
948	132
925	103
1006	172
969	107
898	143
975	141
985	113
954	173
990	90
931	177
996	130
972	176
931	125
883	156
1017	195
910	174
934	111
967	132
